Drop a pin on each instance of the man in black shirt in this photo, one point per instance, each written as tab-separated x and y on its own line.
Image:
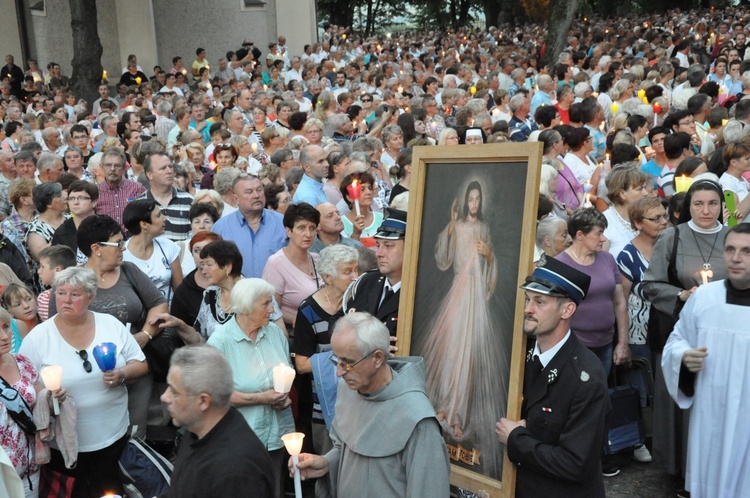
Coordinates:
220	455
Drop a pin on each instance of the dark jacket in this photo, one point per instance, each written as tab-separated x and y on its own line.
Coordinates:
11	256
365	294
558	453
66	235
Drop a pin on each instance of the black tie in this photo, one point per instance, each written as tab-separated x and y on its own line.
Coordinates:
536	368
388	294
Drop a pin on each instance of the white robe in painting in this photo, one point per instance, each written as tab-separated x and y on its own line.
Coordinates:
462	353
718	465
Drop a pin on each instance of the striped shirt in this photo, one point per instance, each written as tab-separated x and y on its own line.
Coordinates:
112	200
176	212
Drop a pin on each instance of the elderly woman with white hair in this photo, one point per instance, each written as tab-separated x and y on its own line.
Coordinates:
254	346
552	237
312	335
69	340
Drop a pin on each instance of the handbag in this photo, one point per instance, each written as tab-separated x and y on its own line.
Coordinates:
159	350
661	324
17	407
53	484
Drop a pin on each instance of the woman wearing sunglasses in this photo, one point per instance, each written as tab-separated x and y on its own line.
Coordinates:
68	339
124	292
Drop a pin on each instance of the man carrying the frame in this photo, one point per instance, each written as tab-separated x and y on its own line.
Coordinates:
557	445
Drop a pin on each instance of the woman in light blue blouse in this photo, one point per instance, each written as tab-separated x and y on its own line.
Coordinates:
254	346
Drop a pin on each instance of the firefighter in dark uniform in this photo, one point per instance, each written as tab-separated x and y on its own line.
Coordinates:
557	446
377	291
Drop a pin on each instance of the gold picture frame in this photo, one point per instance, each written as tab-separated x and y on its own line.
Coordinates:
444	188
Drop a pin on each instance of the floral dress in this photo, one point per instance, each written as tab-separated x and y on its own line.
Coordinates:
46	231
13	439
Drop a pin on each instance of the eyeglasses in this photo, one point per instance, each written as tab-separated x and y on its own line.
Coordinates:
223	146
78	199
119	244
658	219
85	357
348	367
112	165
366	100
687	123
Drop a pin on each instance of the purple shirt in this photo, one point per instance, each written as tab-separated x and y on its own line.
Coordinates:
594	320
568	187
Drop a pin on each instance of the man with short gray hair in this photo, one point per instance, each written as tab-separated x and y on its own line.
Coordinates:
50	166
220	455
410	458
53	141
521	123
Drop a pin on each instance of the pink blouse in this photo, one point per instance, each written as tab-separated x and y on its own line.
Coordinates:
14	440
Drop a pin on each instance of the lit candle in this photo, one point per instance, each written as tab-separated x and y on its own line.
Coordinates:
641	94
265	88
105	355
705	275
473	90
52	378
104	74
724	122
138	80
607	163
343	36
587	203
293	444
355	190
614	107
682	183
184	72
400	89
254	146
283	376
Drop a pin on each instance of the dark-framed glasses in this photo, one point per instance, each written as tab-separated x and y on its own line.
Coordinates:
83	354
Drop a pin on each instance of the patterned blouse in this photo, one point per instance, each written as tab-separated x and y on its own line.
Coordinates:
13	439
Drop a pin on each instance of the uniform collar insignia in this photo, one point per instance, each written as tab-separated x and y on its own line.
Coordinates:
552	376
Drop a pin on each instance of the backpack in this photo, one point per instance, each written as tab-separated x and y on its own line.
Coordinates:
144	472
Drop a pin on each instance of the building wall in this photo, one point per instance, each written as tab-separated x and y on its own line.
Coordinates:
51	39
216	26
9	37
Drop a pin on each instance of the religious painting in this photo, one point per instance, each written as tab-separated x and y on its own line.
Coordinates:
469	246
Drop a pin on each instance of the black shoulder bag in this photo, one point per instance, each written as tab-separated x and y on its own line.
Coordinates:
17	407
661	324
159	350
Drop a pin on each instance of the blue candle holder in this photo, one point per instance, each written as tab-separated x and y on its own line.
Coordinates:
105	355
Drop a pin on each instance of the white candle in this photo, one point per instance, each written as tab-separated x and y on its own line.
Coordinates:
283	376
52	378
293	444
587	204
705	275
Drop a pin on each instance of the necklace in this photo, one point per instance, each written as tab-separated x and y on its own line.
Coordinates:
576	256
330	304
706	272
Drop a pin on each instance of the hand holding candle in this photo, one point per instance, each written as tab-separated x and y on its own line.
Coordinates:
293	444
283	376
52	378
355	191
105	354
587	203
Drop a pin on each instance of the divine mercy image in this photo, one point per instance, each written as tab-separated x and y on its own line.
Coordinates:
462	351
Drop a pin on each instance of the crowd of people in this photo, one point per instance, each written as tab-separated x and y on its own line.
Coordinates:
248	203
